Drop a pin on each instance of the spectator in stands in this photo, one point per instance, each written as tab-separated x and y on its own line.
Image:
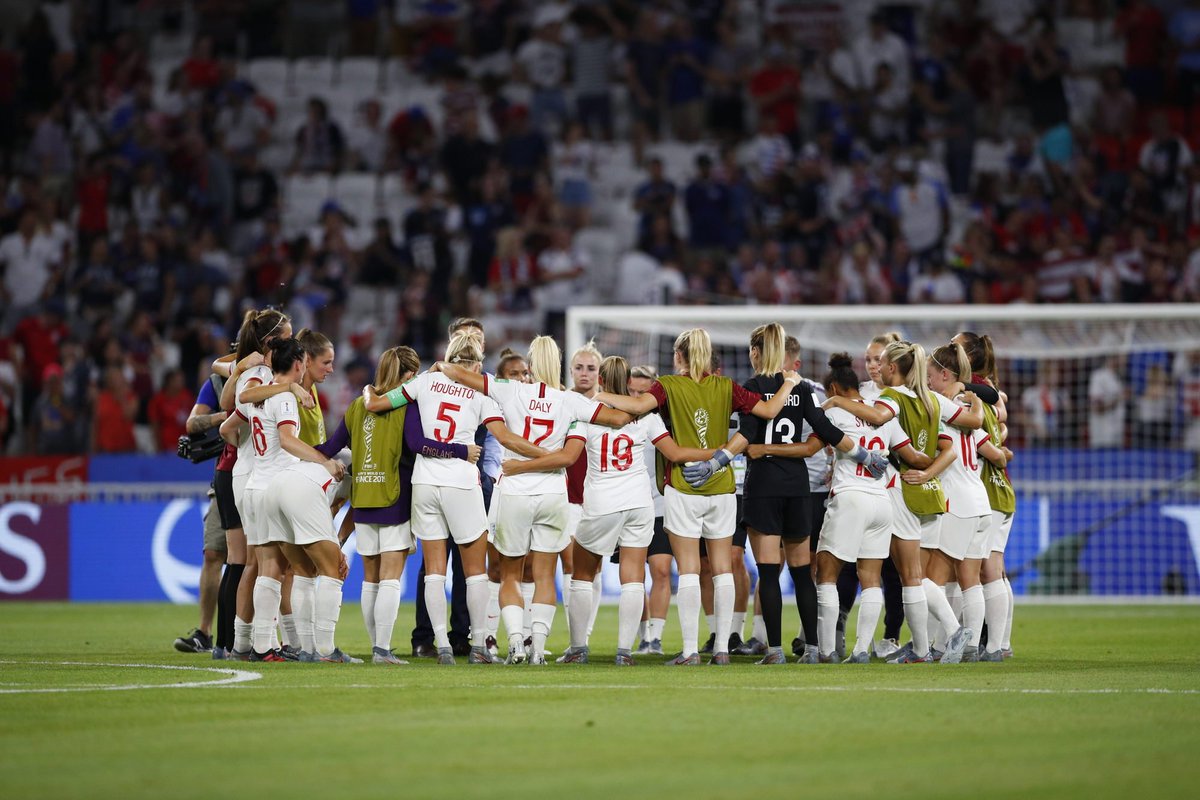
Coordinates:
708	206
201	70
1041	79
31	266
860	278
116	410
1166	158
775	89
428	240
591	67
1154	410
487	212
936	283
512	274
1115	109
879	45
367	142
1144	29
320	144
1043	406
242	125
645	60
920	210
255	195
97	282
542	63
168	411
687	60
524	152
561	268
1184	28
1107	396
382	262
729	71
655	197
53	429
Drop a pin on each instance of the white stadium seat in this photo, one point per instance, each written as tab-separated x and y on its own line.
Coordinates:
270	76
303	197
360	74
312	76
358	194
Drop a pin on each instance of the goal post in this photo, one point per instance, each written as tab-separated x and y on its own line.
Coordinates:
1104	416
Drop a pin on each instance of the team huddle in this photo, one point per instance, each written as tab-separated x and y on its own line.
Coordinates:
896	485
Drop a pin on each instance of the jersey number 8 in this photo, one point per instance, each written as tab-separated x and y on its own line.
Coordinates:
622	452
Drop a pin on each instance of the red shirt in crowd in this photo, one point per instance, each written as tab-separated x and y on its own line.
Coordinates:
1145	32
114	428
169	413
40	343
92	194
202	73
770	80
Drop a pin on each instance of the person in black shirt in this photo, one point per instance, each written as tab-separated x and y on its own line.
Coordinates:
777	493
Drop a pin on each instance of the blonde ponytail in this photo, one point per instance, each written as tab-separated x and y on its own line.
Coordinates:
394	364
465	347
910	359
614	375
953	358
545	361
695	348
770	341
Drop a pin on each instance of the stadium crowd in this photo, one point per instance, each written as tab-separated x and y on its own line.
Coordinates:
505	159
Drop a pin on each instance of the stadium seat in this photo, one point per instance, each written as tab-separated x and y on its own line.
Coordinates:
396	74
395	200
362	74
990	156
270	76
601	248
358	194
304	195
312	75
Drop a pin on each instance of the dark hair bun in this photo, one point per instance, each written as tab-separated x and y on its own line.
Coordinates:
840	361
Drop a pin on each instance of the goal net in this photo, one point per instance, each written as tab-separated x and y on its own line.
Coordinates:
1104	420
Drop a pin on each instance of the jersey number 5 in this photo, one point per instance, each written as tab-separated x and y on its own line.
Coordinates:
621	447
451	425
258	436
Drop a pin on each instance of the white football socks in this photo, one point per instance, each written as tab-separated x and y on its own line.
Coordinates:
477	603
435	605
287	622
654	629
688	601
241	635
527	590
827	616
629	613
870	605
739	623
367	600
597	596
916	612
1006	642
266	606
543	620
304	592
758	630
954	596
326	609
995	612
493	608
723	598
939	608
387	607
973	609
578	611
514	626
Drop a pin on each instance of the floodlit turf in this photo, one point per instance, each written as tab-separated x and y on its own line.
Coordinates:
1099	702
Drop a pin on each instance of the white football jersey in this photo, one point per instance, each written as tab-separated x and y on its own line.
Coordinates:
615	478
848	474
966	496
948	410
245	459
269	458
450	412
543	416
655	429
870	391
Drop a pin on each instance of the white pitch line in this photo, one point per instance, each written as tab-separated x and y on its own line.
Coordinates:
838	689
232	676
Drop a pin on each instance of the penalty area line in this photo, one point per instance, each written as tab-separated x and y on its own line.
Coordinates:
229	677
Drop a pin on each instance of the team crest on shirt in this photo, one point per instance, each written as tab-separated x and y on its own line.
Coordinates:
700	420
922	439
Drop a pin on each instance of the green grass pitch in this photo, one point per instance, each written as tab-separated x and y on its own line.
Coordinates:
1100	701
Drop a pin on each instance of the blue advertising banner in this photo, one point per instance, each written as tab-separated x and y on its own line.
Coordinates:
131	468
